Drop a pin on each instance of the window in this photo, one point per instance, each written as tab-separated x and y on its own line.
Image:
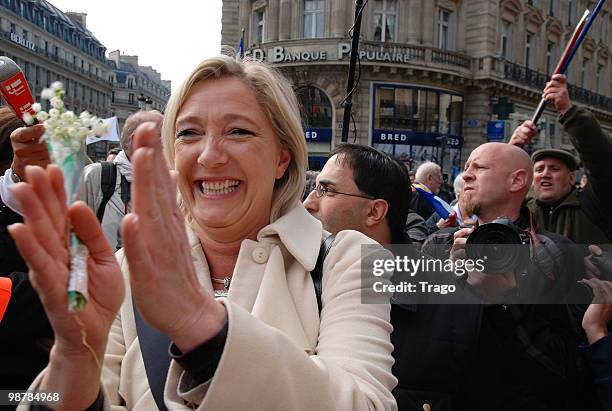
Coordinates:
130	84
315	107
553	5
603	27
534	3
571	12
314	18
385	12
584	73
444	29
506	40
13	28
25	35
258	26
550	58
112	96
131	98
598	76
528	50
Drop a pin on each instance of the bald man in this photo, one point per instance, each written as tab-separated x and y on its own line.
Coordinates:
497	177
510	354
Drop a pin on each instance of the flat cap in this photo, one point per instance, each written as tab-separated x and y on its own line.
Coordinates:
568	158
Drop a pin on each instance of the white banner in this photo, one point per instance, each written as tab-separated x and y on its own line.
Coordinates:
111	135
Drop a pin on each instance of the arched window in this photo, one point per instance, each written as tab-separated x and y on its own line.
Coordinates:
315	107
317	120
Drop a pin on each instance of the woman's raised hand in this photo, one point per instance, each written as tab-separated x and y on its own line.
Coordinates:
162	275
42	240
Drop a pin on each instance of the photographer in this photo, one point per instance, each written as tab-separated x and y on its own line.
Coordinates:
599	351
524	355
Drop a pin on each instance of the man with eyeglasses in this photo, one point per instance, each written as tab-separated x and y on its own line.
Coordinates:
362	189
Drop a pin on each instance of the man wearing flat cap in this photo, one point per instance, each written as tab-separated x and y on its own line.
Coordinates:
582	216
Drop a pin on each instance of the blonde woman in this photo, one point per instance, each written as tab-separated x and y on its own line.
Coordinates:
232	133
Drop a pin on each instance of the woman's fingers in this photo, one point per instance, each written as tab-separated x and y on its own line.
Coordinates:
86	226
147	135
48	277
39	222
49	187
136	252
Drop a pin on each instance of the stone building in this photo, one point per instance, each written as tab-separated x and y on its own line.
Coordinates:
437	77
51	45
135	87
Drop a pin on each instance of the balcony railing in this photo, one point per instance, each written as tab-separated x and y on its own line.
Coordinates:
451	58
538	81
307	51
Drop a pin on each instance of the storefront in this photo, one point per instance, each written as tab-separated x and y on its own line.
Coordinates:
417	124
317	120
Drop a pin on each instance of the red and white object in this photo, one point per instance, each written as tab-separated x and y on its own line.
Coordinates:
14	88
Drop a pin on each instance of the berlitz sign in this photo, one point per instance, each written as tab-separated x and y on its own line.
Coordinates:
339	51
22	42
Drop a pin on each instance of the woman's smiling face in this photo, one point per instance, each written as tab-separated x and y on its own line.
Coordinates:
227	155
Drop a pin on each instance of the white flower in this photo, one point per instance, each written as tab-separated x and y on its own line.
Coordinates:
54	112
47	94
68	116
57	103
42	116
28	119
57	86
36	107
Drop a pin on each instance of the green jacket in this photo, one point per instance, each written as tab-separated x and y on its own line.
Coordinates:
569	218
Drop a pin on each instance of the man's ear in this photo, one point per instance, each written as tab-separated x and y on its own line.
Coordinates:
377	212
519	180
572	177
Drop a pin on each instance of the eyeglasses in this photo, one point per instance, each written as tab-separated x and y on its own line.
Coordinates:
321	191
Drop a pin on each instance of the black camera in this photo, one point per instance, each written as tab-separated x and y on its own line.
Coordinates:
499	245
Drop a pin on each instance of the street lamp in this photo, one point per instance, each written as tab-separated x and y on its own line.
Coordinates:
141	101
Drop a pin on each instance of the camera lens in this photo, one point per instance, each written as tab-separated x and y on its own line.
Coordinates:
498	245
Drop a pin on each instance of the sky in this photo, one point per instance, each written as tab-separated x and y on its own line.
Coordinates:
171	36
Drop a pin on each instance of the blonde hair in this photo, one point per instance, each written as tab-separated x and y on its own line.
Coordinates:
276	97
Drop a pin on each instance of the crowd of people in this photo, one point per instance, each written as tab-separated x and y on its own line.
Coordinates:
223	275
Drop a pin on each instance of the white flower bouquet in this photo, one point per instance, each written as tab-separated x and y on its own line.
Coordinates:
65	134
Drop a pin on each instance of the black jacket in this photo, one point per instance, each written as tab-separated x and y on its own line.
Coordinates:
490	357
25	333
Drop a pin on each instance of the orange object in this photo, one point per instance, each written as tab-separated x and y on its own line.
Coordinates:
5	294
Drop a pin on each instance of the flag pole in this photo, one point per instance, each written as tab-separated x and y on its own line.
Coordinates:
562	66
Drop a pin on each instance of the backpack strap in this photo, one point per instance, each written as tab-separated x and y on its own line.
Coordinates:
154	349
108	180
317	272
125	191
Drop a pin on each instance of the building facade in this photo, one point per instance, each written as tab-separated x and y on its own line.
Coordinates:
437	77
135	87
49	46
